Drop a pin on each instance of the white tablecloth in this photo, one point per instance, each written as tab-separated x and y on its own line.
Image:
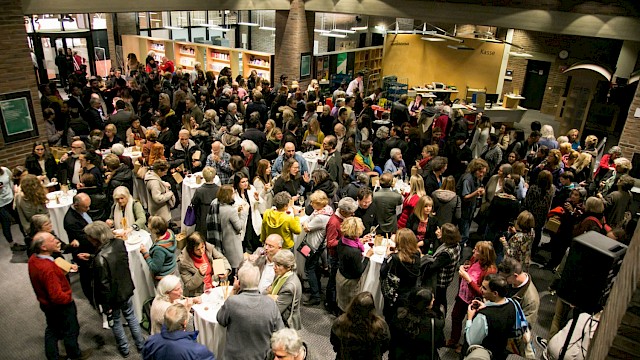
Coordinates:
312	160
189	187
58	211
371	280
212	335
140	273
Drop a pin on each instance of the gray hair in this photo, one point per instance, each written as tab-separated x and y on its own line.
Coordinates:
38	220
286	259
249	146
165	285
382	132
175	317
38	240
121	191
117	149
227	91
363	178
281	199
547	132
93	101
394	152
100	231
615	150
77	199
288	339
562	139
348	204
249	276
594	205
232	106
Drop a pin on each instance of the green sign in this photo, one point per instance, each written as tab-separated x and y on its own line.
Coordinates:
342	63
16	115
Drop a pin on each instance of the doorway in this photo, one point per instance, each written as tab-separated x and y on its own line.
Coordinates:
79	45
535	82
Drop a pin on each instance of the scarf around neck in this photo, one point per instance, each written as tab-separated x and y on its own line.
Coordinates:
278	282
125	221
354	243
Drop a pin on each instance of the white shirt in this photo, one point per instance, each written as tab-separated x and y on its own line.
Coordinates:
75	179
268	274
353	85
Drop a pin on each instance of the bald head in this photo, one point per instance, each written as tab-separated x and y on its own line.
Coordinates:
81	202
77	147
289	150
339	130
272	244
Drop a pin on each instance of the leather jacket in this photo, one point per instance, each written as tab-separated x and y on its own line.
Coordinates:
112	284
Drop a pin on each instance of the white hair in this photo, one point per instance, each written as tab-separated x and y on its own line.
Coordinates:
394	152
288	339
227	91
286	259
249	146
165	285
121	191
547	132
348	204
232	106
117	149
249	276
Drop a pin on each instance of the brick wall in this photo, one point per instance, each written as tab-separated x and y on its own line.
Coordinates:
17	62
294	35
545	47
263	40
630	137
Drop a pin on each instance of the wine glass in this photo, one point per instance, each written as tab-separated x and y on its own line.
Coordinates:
301	200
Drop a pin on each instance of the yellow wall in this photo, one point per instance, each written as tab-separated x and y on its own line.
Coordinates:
408	57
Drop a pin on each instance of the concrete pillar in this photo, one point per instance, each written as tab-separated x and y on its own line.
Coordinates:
627	58
113	54
294	35
630	137
16	60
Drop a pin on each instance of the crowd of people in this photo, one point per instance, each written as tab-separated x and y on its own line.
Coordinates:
246	138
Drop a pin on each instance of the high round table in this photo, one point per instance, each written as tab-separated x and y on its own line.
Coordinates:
57	211
211	334
189	187
140	273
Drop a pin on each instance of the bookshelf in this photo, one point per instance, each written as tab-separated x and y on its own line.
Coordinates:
260	62
187	54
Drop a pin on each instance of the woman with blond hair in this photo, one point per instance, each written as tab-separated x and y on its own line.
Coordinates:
313	137
481	264
403	262
574	139
411	199
424	225
553	163
582	169
352	262
30	200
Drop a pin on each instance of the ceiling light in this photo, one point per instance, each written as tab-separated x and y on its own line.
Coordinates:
399	31
248	23
153	13
452	47
520	54
447	37
217	27
321	30
330	34
344	31
267	28
381	27
169	27
433	39
359	28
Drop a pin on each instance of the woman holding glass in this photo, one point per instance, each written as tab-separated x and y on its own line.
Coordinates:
248	198
126	212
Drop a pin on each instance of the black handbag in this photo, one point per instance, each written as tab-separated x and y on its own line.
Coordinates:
390	286
307	250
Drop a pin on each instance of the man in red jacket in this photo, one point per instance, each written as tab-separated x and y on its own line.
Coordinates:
54	294
346	208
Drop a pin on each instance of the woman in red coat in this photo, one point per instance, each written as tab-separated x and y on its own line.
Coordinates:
411	199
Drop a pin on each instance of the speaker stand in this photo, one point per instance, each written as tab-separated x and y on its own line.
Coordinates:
567	341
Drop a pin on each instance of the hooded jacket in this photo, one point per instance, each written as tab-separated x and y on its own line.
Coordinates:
281	223
175	345
161	199
317	223
161	257
447	206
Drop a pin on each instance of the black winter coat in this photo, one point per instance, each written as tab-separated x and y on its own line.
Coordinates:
112	282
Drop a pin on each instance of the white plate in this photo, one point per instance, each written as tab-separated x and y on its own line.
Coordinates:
136	154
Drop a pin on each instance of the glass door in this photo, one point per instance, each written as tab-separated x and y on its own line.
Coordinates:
76	48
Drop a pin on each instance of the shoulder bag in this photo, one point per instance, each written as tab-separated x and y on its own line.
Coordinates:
390	285
190	216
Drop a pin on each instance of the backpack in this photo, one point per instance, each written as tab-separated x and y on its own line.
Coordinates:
145	322
603	229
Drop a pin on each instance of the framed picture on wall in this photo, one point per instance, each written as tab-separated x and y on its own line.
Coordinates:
17	118
305	65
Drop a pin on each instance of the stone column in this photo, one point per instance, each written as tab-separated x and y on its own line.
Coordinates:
16	60
294	35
